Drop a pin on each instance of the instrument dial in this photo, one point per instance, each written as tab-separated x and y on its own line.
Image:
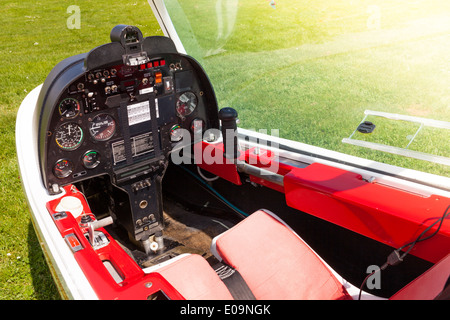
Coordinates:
102	127
186	104
91	159
62	168
69	136
176	133
69	108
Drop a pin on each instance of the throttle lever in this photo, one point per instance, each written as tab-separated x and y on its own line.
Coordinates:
94	225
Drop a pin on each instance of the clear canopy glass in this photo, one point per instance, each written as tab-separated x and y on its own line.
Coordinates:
315	70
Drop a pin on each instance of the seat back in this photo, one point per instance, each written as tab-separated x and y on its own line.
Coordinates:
275	262
192	276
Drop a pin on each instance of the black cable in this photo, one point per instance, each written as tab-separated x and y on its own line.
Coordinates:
396	258
241	214
418	239
364	282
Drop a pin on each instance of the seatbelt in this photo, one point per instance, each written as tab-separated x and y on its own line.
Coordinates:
234	282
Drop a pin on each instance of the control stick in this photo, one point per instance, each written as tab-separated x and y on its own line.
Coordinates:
228	117
94	225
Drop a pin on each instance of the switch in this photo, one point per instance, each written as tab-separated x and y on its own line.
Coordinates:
73	242
168	84
158	77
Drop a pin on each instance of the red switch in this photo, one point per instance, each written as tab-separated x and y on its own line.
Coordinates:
73	242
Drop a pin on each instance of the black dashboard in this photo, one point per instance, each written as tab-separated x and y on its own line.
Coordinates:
118	110
101	120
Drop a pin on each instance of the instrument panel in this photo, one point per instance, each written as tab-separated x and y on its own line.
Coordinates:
103	119
118	111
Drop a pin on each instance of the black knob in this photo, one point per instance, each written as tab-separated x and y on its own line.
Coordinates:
228	116
86	218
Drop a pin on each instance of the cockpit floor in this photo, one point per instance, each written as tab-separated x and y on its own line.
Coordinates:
185	232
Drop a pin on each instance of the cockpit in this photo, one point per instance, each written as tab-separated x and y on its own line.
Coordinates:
119	111
115	126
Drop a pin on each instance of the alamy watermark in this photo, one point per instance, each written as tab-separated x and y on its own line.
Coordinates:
264	151
74	20
374	280
374	19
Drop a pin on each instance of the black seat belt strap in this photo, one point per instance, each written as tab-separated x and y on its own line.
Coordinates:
234	282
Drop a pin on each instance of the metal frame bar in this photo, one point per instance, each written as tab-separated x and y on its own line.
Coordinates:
162	16
403	151
399	151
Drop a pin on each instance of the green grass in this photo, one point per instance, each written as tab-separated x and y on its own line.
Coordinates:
311	68
35	38
308	68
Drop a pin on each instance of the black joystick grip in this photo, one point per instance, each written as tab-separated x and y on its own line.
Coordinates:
228	116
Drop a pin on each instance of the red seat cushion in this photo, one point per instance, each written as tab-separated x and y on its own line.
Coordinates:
428	285
275	262
194	279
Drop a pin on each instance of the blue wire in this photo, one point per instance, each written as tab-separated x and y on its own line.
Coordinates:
215	192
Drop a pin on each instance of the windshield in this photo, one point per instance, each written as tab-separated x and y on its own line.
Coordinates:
315	70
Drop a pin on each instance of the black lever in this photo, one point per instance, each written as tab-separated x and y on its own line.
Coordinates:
228	116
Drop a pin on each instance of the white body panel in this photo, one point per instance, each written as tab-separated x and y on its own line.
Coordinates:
64	267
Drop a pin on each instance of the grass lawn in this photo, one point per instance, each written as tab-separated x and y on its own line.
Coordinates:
34	40
308	68
311	68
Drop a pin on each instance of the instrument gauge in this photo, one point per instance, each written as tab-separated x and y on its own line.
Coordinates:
69	108
186	104
176	133
62	168
91	159
69	136
102	127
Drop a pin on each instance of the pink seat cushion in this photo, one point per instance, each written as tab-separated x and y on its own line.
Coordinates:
194	279
275	262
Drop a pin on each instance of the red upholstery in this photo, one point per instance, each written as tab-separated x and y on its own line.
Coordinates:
275	262
194	279
428	285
